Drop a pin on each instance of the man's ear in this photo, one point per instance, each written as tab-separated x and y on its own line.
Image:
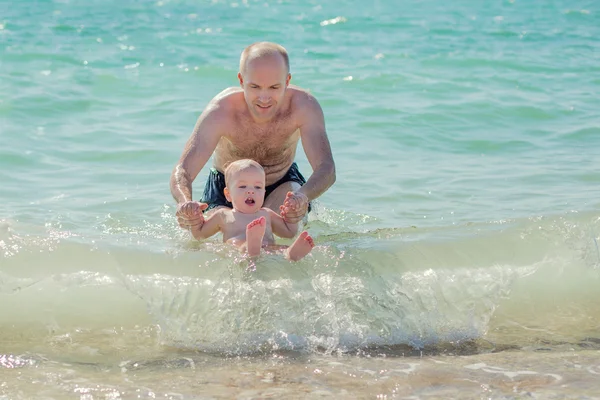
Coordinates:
288	79
241	79
227	195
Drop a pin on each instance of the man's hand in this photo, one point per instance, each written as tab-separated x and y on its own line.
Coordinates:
294	208
189	214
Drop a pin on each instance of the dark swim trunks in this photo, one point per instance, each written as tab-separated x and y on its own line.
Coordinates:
213	190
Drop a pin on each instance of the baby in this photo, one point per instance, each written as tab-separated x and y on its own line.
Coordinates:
248	225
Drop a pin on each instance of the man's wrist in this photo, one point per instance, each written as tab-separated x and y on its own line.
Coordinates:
303	195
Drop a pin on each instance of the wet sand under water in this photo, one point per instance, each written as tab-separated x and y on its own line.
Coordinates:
544	373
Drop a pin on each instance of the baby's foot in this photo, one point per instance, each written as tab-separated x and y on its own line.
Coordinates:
301	247
255	231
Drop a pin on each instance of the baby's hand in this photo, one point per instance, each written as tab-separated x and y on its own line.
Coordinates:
294	208
189	214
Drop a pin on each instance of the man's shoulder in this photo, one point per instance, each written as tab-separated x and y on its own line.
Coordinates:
303	101
228	97
226	102
300	94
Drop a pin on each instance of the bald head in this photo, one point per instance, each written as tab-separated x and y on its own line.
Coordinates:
263	50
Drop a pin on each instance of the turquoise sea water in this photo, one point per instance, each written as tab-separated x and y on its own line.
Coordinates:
457	253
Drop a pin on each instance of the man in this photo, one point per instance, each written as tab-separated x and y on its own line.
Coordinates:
262	120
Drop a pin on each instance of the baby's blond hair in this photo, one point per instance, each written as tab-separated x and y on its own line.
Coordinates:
240	165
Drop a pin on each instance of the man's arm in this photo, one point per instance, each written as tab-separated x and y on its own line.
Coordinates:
318	152
316	147
197	151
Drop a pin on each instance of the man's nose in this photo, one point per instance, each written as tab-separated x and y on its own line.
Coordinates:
264	97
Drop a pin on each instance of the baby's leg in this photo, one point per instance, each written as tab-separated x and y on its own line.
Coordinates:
255	231
301	247
239	243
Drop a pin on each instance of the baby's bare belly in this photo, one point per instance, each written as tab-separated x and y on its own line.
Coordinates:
234	229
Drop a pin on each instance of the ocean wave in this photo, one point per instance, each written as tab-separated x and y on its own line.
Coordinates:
357	290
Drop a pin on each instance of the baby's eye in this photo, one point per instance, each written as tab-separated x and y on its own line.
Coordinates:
257	187
242	186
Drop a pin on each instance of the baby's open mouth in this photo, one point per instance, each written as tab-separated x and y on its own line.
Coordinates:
250	201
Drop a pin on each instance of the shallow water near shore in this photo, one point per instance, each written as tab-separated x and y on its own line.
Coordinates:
474	310
456	256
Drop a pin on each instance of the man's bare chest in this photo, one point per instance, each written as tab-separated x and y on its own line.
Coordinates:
250	134
262	144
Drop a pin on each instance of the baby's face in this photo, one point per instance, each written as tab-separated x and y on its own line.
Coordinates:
247	190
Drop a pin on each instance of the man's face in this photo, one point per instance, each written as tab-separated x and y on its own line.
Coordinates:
264	83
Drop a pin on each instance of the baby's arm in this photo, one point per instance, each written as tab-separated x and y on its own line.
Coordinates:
280	227
211	226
